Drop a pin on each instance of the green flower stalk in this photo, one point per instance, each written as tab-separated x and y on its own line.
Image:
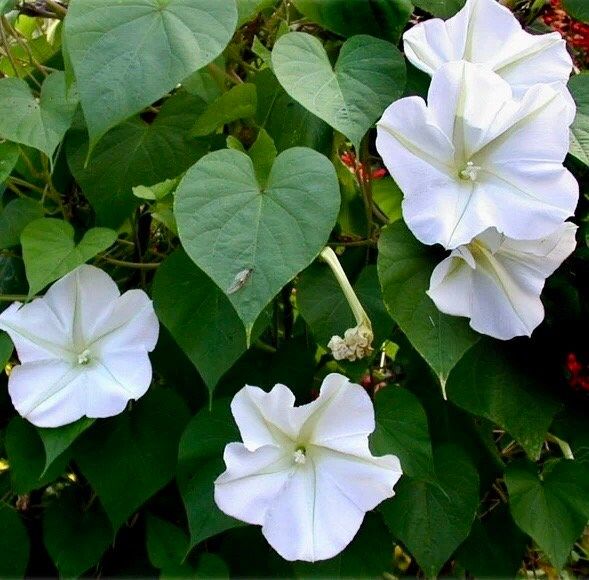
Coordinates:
356	342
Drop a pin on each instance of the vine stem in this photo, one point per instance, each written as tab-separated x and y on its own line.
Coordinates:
132	265
13	297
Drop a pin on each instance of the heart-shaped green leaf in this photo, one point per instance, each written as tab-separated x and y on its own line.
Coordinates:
368	76
9	154
127	55
552	508
39	123
252	241
404	269
50	252
15	217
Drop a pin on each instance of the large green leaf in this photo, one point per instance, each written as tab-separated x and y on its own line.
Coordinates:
128	458
14	543
136	153
368	76
491	383
15	217
578	9
553	508
166	543
252	241
75	535
383	18
367	556
325	309
440	8
6	349
579	87
401	429
199	464
404	269
127	55
39	123
240	102
50	252
199	316
9	154
26	457
57	441
433	518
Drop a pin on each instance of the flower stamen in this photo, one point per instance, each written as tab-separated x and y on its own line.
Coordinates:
470	172
300	456
84	357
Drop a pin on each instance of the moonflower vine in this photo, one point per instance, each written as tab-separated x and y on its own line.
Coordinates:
82	348
305	474
357	341
496	281
484	32
475	158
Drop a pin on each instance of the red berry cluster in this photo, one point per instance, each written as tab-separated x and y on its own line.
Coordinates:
349	160
574	32
578	375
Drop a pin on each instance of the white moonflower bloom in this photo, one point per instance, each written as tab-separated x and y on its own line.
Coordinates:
474	158
305	474
496	281
487	33
82	348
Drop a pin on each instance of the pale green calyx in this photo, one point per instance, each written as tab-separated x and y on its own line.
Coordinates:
356	342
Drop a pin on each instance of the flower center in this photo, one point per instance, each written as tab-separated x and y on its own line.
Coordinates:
84	357
300	455
470	172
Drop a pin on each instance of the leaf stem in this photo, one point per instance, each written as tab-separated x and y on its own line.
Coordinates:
13	297
565	448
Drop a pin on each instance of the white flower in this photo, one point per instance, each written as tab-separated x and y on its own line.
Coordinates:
305	474
496	281
487	33
82	347
475	158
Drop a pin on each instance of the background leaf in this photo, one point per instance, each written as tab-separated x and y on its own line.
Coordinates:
199	316
75	533
14	544
490	381
383	18
139	447
433	518
136	153
199	464
17	214
9	154
579	87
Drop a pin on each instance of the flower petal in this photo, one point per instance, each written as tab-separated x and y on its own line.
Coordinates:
319	510
265	418
115	379
501	295
522	59
251	481
48	393
342	409
131	324
81	300
37	333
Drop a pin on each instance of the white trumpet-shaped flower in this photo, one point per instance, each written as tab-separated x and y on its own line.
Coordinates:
305	474
82	348
474	158
484	32
496	281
